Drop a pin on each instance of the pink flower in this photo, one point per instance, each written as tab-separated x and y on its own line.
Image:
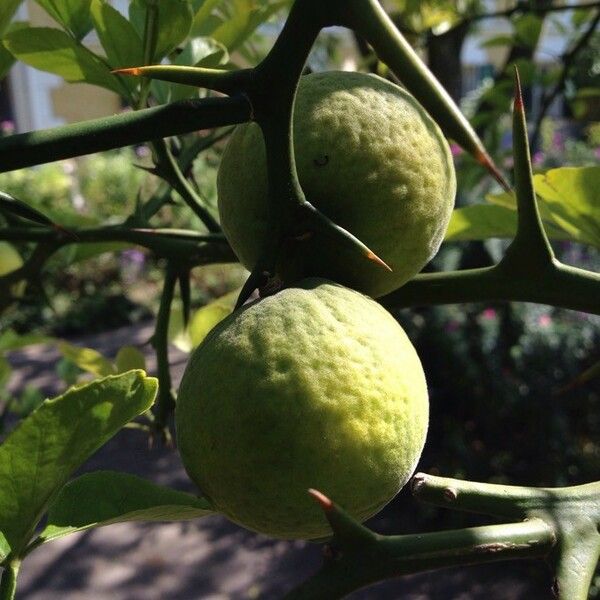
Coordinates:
545	321
538	158
488	314
455	149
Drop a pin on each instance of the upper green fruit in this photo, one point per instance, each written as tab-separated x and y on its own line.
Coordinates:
314	387
371	159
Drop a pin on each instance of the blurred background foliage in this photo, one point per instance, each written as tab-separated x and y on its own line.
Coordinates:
512	395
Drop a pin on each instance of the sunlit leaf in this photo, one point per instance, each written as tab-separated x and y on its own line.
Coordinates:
129	358
567	202
174	23
56	52
106	497
73	15
11	340
121	42
38	457
6	58
88	359
8	8
201	322
571	195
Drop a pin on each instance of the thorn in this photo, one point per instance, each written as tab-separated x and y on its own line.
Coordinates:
325	503
129	71
518	103
484	159
372	256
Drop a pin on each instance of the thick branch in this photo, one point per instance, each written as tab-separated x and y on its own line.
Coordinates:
560	285
394	556
37	147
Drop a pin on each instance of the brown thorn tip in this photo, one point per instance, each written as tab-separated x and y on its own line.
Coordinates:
322	499
372	256
518	94
484	159
128	71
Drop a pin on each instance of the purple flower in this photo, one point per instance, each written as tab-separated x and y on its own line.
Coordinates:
538	158
7	127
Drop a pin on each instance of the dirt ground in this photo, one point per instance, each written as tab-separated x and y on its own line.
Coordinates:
208	559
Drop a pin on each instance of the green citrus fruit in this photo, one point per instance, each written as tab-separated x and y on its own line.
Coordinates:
10	260
314	387
371	159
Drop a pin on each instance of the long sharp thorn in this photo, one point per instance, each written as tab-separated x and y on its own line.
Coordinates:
484	159
372	256
324	502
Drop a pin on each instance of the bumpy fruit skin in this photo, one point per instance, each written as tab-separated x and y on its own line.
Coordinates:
314	387
10	260
371	159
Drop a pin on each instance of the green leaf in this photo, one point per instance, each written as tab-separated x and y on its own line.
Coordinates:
202	15
121	42
56	52
128	358
244	20
205	318
8	8
4	547
88	359
5	371
528	28
567	201
6	58
481	221
498	40
175	19
11	340
201	322
571	196
106	497
73	15
197	52
38	457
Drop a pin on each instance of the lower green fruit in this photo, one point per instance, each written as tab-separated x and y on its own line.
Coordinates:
371	159
314	387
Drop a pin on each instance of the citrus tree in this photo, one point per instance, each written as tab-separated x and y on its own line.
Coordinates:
314	385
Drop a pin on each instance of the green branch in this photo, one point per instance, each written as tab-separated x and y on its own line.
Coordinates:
168	168
165	402
8	584
358	557
87	137
559	285
188	246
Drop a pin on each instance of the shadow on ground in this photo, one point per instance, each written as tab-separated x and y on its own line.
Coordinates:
211	559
